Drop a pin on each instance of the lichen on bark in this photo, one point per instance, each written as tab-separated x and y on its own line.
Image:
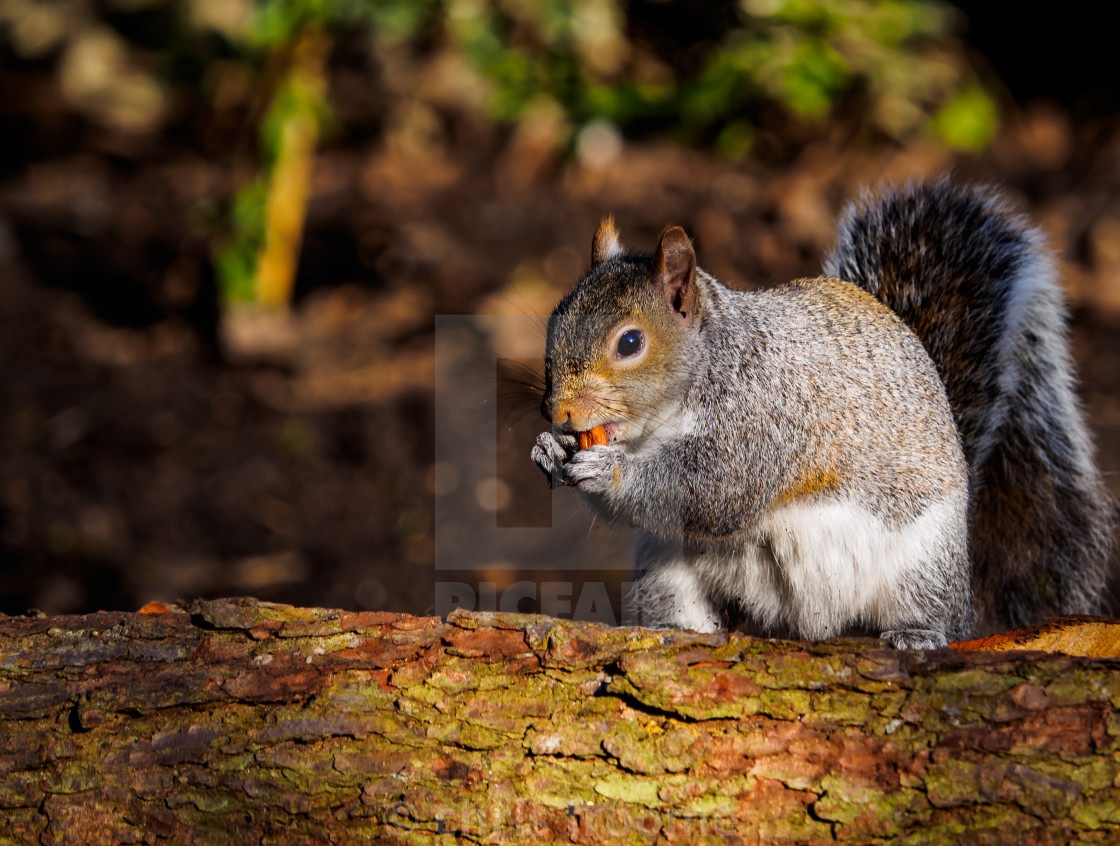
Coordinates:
275	724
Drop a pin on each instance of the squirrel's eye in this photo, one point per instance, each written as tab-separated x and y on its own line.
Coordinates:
630	343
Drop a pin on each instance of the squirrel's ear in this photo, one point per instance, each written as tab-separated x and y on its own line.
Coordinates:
674	265
606	244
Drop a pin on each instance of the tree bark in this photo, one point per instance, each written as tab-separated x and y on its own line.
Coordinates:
240	721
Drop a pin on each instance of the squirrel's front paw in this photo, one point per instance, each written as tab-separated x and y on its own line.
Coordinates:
596	469
551	452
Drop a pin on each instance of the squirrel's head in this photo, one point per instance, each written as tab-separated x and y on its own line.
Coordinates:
619	345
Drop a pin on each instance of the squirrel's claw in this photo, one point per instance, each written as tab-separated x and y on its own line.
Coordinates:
550	452
593	469
568	443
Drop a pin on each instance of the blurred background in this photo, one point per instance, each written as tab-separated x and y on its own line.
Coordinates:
227	229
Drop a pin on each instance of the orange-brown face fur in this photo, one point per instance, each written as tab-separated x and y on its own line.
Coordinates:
587	381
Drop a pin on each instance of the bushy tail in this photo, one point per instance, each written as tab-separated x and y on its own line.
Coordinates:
976	284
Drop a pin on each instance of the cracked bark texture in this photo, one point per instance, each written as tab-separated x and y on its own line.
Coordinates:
247	722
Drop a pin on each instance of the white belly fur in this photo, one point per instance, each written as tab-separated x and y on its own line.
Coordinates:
816	569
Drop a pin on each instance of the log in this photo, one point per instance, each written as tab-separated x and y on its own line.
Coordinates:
241	721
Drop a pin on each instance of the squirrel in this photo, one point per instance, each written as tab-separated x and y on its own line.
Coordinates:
894	447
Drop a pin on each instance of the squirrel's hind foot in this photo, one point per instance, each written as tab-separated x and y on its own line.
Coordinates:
915	638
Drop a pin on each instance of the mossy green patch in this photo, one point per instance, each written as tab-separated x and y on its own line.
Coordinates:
1099	773
841	707
638	790
356	691
209	801
71	778
976	682
868	810
649	749
711	805
570	740
989	824
248	614
809	672
469	736
1100	809
1078	685
782	704
954	783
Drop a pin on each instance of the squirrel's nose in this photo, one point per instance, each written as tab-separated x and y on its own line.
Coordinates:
562	418
558	414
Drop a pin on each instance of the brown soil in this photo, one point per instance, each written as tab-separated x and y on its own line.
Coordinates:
149	450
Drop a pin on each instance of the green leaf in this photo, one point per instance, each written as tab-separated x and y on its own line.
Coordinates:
968	121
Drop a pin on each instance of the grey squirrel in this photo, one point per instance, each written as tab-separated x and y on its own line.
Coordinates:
894	447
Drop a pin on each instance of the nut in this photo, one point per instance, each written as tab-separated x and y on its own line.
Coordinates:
596	436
